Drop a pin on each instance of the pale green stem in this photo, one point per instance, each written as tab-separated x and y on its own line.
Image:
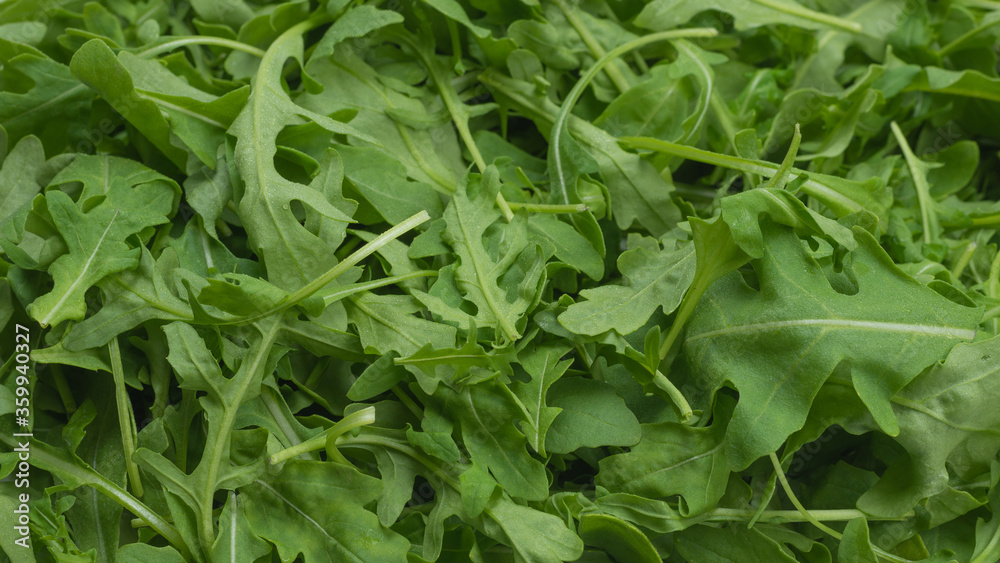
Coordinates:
814	521
548	208
963	260
698	287
920	184
407	401
830	197
338	270
126	419
352	289
369	439
43	459
789	516
250	370
270	399
947	49
184	41
354	420
993	288
779	178
595	48
455	107
683	407
62	387
721	111
574	94
805	13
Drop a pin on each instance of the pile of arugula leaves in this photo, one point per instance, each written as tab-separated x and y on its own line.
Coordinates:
501	280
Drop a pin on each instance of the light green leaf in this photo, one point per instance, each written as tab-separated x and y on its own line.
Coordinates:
503	279
592	415
292	254
800	329
317	509
674	459
667	14
545	367
487	418
18	185
96	238
652	280
855	545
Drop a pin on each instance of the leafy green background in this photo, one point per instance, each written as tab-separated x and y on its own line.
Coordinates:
501	280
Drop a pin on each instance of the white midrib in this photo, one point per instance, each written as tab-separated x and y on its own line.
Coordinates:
232	530
83	272
928	330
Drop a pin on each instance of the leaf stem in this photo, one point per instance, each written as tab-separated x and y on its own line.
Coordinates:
42	457
62	387
270	399
668	387
780	177
789	516
818	17
459	116
947	49
352	289
559	124
126	418
184	41
993	288
548	208
408	402
963	259
216	444
614	73
928	218
830	197
333	273
359	255
813	520
362	417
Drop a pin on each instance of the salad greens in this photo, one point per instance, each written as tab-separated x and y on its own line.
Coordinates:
500	280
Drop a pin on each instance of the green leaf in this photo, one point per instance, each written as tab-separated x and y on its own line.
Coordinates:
950	401
855	545
381	182
653	280
502	278
667	14
731	544
674	459
132	298
800	329
96	237
54	103
18	185
158	103
742	213
617	537
592	415
317	509
536	537
545	366
387	323
292	254
486	416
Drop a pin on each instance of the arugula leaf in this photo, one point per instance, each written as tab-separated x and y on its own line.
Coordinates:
96	237
482	280
311	524
796	320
